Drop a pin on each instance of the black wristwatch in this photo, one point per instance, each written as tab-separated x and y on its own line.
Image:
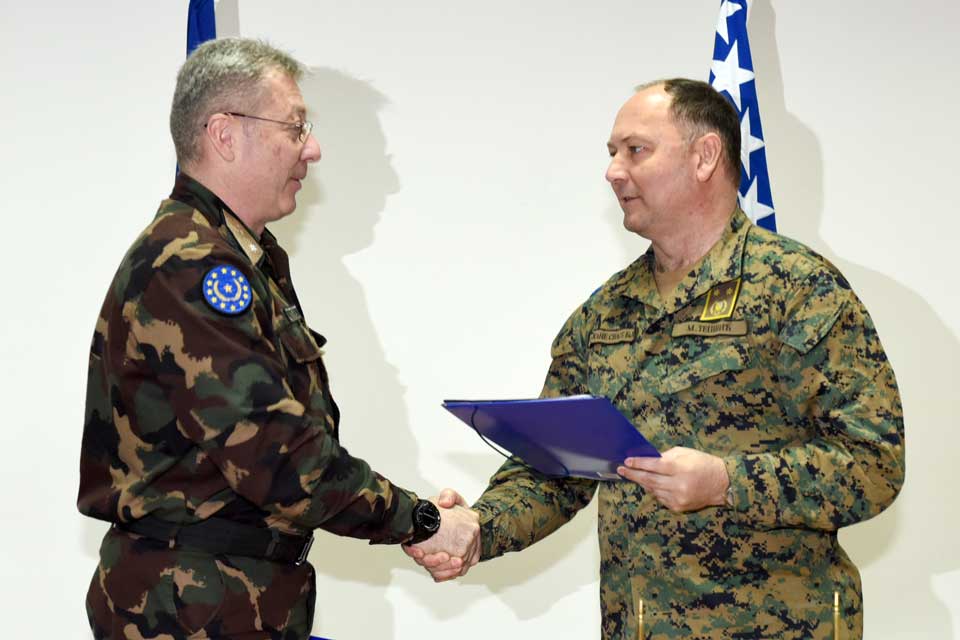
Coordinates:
426	521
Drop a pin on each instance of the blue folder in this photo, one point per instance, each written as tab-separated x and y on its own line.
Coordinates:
582	436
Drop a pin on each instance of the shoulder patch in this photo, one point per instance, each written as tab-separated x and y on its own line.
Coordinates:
226	290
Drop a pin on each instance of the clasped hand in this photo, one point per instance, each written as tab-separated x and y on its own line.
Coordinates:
681	479
451	551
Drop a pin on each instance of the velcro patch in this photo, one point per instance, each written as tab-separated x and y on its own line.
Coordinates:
721	301
613	336
226	290
707	329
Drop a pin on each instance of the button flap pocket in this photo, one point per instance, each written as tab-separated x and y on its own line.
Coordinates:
610	367
809	327
704	359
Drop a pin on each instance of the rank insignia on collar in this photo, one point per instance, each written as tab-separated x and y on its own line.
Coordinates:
721	300
226	290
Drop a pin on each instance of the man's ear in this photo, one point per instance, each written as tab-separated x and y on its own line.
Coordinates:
220	136
708	150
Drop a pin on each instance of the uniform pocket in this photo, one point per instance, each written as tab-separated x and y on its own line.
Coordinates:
706	394
146	584
698	360
610	368
298	341
198	590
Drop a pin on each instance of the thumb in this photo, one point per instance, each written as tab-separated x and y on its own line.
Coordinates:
448	498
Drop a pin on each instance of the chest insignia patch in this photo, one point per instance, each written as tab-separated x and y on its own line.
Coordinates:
613	336
721	301
226	290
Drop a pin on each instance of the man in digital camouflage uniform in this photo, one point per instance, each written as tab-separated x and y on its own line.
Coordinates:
210	439
751	365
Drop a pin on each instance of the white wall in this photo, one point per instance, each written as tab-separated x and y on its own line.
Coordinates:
459	214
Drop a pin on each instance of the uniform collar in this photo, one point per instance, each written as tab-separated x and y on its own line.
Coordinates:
248	243
192	193
195	195
723	262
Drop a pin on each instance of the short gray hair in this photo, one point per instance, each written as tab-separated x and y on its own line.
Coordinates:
221	75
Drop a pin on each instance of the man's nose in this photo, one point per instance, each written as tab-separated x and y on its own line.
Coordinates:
615	171
311	149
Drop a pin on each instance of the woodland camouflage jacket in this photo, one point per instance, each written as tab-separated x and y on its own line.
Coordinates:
193	413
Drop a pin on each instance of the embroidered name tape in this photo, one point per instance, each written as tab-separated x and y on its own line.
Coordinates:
613	336
723	328
226	290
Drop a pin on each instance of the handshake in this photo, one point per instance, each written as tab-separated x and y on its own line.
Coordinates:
455	547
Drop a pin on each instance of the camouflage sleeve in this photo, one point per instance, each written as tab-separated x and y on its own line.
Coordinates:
834	379
226	384
521	506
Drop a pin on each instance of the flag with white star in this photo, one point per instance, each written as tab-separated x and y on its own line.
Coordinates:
732	74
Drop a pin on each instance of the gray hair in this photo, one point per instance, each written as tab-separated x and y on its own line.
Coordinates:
221	75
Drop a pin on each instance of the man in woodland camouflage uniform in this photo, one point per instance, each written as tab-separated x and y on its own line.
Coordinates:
748	361
211	440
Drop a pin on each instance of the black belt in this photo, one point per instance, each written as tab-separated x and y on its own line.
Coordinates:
223	537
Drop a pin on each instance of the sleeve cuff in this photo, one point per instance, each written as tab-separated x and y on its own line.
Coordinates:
738	492
400	527
489	543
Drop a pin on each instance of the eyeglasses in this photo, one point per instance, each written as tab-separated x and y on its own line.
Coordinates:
303	128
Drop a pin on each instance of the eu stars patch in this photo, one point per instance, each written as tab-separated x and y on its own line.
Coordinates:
226	289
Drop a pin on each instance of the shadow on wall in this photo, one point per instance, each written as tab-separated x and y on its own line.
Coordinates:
338	209
899	550
341	202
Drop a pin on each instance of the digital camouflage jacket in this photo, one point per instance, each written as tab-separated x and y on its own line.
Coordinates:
765	357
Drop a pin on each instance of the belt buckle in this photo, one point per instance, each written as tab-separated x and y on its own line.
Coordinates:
304	552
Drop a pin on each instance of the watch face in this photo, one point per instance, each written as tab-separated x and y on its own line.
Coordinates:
427	516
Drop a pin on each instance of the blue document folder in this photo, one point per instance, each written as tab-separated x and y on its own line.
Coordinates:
583	436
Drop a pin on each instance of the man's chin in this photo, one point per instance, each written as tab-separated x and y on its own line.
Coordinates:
634	223
286	208
280	214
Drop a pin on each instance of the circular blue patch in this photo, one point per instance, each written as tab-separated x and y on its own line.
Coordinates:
226	289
